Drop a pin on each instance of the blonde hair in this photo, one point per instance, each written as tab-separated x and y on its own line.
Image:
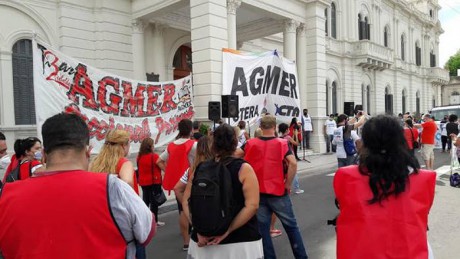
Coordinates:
203	152
258	133
111	152
268	122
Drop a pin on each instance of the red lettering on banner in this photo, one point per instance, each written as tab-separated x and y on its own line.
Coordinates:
153	107
168	103
115	99
132	106
167	127
82	85
98	129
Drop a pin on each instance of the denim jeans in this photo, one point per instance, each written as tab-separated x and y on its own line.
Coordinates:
282	207
295	182
329	145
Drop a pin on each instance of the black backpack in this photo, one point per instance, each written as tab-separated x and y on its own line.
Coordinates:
211	203
15	175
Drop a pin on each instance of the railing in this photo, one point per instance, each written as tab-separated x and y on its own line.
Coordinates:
438	74
372	50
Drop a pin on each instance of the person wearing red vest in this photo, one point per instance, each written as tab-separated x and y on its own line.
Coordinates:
71	213
149	176
384	202
28	155
177	157
268	155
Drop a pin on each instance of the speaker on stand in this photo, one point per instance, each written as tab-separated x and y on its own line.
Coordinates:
230	106
348	108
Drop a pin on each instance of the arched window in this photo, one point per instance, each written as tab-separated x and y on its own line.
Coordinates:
368	92
403	101
385	37
182	62
334	97
360	27
418	54
432	58
326	22
433	102
431	13
333	21
388	101
455	93
417	102
23	83
367	29
403	47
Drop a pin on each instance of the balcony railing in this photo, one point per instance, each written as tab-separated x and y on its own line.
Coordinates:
437	75
372	55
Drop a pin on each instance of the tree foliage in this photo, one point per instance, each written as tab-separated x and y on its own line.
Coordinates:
453	64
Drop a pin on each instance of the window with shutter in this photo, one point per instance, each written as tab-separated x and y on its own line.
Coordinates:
23	83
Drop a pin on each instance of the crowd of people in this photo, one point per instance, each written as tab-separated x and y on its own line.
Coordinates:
96	204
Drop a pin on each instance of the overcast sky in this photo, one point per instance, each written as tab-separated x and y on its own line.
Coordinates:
450	21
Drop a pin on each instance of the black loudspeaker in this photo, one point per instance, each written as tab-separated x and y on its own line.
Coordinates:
348	108
214	111
358	107
230	107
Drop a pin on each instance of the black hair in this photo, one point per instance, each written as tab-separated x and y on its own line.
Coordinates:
385	157
342	117
409	123
185	128
65	131
453	118
282	128
293	121
23	145
242	124
224	141
2	136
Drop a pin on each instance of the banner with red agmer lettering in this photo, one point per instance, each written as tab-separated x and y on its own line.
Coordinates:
106	101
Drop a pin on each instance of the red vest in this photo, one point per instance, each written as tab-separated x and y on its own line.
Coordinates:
396	228
149	172
177	163
66	216
118	168
266	157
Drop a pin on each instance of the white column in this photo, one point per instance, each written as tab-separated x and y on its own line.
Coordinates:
289	35
316	72
209	36
232	6
138	50
302	64
159	64
364	93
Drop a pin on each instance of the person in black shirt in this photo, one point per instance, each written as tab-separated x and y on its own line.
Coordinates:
451	128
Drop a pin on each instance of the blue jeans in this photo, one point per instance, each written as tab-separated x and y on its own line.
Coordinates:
282	207
329	145
295	182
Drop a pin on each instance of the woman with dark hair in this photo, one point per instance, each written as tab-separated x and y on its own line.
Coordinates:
243	136
410	135
149	176
384	202
242	239
28	156
295	131
451	128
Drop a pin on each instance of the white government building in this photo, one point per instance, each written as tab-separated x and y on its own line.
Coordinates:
382	54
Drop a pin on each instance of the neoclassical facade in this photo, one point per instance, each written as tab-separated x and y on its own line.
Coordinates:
382	54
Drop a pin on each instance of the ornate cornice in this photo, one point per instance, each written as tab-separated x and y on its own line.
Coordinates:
290	25
138	26
232	6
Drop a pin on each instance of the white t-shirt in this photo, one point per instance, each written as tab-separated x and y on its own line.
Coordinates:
306	123
338	140
241	138
331	125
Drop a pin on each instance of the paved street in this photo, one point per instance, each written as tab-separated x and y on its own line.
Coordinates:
316	205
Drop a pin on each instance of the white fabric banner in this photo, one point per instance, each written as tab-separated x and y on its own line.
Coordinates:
264	83
107	101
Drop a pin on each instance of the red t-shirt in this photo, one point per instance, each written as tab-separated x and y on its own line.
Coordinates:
428	133
149	172
409	139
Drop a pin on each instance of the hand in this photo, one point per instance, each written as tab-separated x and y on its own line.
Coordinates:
202	240
217	239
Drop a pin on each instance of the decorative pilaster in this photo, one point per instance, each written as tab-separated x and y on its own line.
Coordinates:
232	6
138	49
302	63
159	64
289	35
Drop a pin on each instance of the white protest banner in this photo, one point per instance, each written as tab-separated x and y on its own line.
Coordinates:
263	82
106	101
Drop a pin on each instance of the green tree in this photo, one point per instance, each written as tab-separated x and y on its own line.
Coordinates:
453	64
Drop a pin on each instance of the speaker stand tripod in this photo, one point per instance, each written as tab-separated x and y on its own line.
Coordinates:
304	158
